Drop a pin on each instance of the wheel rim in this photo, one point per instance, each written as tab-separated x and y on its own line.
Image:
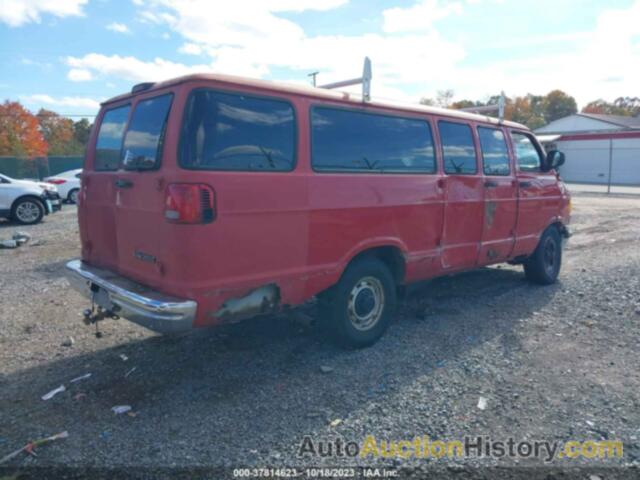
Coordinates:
550	256
366	303
28	212
73	196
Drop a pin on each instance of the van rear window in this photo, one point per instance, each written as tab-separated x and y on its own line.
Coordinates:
224	131
143	141
345	140
110	135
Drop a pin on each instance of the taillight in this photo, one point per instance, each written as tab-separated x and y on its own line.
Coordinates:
190	203
57	181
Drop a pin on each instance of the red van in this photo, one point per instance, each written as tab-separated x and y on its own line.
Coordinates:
208	199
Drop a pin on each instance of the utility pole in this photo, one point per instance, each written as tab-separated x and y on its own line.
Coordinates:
313	76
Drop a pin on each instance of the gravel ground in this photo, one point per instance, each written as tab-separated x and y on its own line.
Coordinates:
554	363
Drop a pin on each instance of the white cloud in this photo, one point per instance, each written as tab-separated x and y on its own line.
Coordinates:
118	27
584	70
420	16
190	49
410	56
249	38
18	12
131	68
79	75
73	102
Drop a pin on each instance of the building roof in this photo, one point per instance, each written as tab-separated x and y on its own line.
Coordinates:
619	120
318	93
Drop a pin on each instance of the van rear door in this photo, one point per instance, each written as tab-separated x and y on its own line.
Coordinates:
123	190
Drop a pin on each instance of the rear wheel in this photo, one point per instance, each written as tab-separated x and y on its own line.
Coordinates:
72	196
359	308
28	211
543	266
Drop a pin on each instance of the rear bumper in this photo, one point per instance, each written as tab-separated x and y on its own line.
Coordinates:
128	299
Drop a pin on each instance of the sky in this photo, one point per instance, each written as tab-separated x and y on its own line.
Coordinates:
69	55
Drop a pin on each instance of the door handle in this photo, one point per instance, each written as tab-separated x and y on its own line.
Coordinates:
440	183
525	184
122	183
490	184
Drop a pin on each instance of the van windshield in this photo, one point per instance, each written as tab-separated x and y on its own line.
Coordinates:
143	141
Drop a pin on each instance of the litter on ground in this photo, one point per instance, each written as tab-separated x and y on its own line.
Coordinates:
31	445
52	393
118	409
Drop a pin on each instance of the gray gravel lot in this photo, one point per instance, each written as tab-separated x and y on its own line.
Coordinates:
554	363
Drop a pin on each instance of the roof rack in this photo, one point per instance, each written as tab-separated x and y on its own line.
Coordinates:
490	108
365	80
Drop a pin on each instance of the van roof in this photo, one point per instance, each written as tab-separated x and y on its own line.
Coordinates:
315	92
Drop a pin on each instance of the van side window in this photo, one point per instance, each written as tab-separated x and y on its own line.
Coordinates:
143	140
495	157
458	149
527	155
224	131
345	140
110	135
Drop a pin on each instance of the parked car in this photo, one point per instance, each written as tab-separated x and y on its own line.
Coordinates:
27	201
208	199
68	184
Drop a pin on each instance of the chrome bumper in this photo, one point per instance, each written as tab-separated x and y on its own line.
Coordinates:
131	300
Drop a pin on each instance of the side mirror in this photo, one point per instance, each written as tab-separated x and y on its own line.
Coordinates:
555	159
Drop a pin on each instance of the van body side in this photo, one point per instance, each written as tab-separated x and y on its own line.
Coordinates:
283	233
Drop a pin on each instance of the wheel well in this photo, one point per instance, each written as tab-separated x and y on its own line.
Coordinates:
390	256
24	197
562	229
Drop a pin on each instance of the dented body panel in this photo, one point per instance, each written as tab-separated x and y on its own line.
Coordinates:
281	237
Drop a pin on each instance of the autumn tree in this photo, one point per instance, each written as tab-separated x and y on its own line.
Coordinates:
20	135
465	104
58	132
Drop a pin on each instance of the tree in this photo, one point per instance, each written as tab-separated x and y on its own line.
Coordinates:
630	105
627	106
527	110
465	104
81	131
58	132
558	104
20	135
443	99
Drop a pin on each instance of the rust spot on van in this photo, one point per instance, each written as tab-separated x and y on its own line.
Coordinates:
489	212
261	300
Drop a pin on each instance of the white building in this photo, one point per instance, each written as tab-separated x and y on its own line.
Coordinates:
599	149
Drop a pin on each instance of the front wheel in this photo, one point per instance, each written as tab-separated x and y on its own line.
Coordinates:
543	266
359	308
28	211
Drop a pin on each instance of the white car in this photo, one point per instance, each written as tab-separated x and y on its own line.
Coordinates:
68	184
26	201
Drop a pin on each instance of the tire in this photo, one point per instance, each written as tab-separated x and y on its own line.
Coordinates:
28	211
359	308
72	196
543	266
